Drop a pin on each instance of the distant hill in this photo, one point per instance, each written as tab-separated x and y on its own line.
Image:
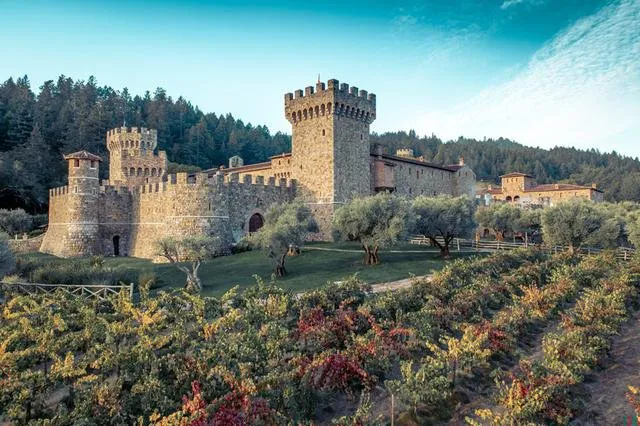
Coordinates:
67	115
617	175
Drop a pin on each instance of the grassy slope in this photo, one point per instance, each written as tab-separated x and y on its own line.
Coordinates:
311	269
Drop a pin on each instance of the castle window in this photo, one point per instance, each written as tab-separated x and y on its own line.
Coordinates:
132	172
304	113
322	132
159	172
153	171
322	109
329	108
317	111
146	171
360	136
299	115
139	173
93	164
76	163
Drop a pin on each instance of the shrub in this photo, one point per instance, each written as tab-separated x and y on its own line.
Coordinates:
7	260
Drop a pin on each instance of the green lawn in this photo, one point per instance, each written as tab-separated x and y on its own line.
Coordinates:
310	269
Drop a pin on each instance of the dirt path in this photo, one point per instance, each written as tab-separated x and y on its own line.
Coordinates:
397	285
608	404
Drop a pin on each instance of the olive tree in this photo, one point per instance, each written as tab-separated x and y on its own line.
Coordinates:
376	222
633	227
502	218
529	222
443	218
7	260
285	225
187	254
15	221
576	223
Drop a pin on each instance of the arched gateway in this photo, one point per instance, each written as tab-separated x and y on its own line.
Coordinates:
256	221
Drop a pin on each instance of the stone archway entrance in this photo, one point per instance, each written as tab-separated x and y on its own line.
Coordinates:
116	245
256	221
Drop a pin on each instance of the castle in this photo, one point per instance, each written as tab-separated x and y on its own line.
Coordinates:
330	163
522	189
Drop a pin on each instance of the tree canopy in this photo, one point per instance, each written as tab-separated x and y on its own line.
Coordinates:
502	218
376	222
443	218
575	223
285	225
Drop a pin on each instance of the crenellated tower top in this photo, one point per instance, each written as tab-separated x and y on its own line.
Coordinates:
132	160
132	138
333	99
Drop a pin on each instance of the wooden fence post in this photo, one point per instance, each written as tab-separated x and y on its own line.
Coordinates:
131	292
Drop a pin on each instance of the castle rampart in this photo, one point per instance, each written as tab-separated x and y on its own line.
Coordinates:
329	165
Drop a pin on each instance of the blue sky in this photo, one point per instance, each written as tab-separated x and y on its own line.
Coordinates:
542	72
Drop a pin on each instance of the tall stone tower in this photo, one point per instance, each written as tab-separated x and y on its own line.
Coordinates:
132	160
83	204
330	145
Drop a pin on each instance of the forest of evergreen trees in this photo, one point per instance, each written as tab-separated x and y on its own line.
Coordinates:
66	115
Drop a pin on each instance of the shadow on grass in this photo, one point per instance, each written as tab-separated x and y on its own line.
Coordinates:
310	269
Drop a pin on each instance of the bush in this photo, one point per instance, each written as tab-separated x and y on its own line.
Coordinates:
72	271
7	260
15	222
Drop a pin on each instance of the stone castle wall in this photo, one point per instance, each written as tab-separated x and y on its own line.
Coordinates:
329	165
182	206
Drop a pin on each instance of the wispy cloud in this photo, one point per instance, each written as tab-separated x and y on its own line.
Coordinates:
580	89
506	4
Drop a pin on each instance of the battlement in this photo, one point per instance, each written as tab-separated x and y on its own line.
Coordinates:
330	99
132	137
184	181
59	191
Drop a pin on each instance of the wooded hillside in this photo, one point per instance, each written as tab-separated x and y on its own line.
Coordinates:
37	127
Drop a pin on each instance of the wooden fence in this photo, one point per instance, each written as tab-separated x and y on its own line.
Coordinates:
622	253
84	292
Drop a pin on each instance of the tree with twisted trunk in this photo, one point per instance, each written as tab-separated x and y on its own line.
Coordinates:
443	218
187	254
376	222
285	225
502	218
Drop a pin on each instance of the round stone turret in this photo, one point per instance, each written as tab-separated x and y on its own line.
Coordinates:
82	204
132	160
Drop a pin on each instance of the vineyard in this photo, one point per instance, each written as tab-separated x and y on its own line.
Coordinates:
509	338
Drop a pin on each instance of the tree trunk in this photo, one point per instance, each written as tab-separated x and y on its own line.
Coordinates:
499	235
367	255
280	271
444	248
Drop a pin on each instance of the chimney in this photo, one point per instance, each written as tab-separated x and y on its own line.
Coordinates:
556	186
461	161
594	186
